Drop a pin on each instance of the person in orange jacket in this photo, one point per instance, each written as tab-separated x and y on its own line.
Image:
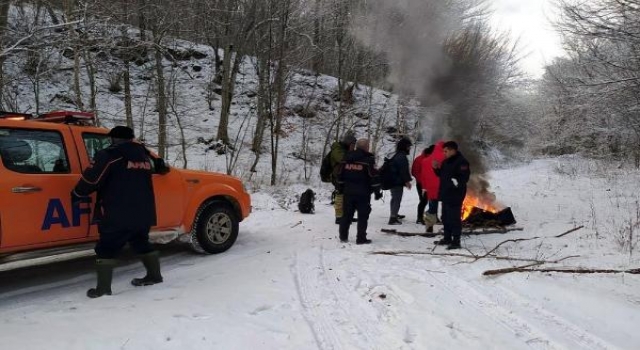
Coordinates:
416	172
430	183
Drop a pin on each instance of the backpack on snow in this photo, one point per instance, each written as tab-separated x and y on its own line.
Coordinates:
386	173
306	205
325	168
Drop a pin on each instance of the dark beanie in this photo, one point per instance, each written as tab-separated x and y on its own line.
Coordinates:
121	132
348	138
404	144
450	145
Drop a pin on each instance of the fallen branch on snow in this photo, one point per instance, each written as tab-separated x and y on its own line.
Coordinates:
525	239
527	268
471	256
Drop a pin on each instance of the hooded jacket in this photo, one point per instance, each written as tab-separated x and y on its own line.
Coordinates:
429	181
416	168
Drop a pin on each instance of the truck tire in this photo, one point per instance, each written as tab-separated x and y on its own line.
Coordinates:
215	229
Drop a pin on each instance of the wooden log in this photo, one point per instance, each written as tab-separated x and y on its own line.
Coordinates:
468	232
559	270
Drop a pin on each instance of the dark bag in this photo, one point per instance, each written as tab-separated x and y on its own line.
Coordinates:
325	168
306	205
386	174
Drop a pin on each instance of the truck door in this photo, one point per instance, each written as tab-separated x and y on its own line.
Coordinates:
89	143
37	173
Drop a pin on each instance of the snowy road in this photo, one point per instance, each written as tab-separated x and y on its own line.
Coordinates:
289	284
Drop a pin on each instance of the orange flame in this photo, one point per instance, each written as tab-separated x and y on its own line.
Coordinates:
470	201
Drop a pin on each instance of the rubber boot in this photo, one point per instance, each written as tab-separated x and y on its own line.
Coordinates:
104	271
152	264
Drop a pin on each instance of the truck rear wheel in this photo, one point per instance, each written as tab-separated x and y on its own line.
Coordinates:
216	228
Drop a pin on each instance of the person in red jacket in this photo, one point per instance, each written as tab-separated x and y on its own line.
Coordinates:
430	183
416	172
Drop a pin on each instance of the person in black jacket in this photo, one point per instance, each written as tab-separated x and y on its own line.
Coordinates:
454	174
125	206
401	178
358	178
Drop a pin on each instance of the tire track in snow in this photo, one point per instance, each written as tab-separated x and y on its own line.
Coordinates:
575	334
471	298
325	330
360	310
334	313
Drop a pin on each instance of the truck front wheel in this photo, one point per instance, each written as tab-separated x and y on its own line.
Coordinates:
216	228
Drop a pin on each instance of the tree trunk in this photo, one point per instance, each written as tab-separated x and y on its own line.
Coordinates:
276	123
263	102
4	13
229	74
127	95
69	6
161	101
281	93
223	134
142	20
126	75
91	73
318	59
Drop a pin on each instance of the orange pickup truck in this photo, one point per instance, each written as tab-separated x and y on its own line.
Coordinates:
42	159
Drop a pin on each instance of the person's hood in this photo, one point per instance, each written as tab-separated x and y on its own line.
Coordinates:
438	151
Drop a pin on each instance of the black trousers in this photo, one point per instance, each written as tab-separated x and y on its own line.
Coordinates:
452	219
111	242
423	202
353	204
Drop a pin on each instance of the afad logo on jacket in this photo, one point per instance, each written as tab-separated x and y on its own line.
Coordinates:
139	165
353	167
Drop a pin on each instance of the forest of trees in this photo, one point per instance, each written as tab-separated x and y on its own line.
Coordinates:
591	98
441	55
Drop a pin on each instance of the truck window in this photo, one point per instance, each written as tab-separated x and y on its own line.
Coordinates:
95	142
33	151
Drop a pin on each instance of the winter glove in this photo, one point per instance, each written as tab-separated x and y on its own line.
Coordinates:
377	195
160	166
455	182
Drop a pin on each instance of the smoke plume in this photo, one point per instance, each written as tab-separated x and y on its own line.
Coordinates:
429	45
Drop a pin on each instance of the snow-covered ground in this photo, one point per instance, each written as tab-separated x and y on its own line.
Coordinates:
288	283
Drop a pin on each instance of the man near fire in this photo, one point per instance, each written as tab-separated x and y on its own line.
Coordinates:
357	179
454	174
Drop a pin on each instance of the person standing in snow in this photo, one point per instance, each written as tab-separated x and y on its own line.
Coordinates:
401	178
454	174
358	178
125	206
431	184
338	151
416	171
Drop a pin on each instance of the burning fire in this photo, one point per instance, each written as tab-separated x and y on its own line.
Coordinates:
486	204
